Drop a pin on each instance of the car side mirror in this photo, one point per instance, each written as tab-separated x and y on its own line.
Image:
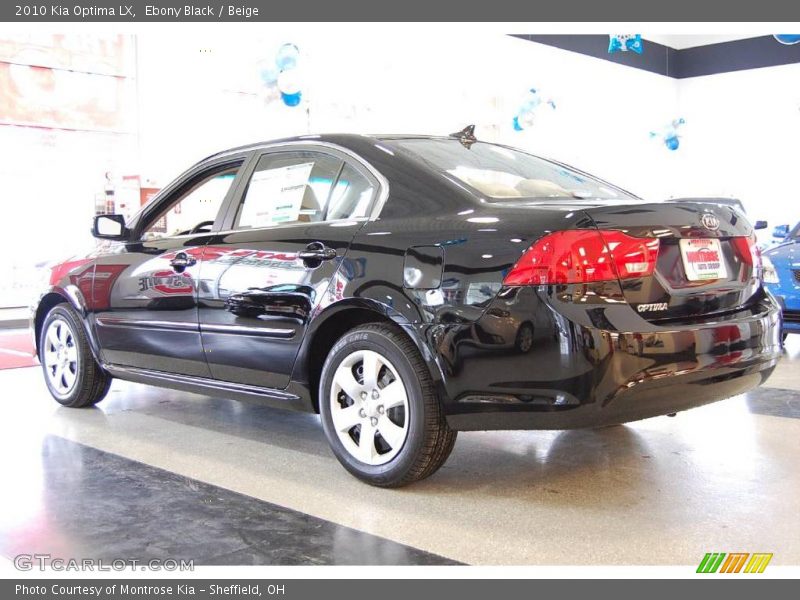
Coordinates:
760	225
781	231
109	227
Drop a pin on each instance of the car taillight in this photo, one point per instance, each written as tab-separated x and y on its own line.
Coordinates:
583	256
748	251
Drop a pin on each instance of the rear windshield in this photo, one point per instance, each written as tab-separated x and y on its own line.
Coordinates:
503	173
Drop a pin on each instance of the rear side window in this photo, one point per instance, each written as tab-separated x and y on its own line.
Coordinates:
288	187
503	173
351	197
303	187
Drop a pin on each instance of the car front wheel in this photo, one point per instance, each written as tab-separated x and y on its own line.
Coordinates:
379	409
72	376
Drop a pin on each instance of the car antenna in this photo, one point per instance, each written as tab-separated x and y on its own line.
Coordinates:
466	136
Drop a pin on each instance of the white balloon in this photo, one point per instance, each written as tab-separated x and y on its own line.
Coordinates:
290	81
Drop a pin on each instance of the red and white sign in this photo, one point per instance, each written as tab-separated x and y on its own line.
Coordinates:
702	259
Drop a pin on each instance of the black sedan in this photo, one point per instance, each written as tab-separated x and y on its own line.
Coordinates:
410	287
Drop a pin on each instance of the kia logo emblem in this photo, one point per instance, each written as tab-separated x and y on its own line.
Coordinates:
710	222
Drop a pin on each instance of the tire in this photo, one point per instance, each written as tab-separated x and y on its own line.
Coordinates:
524	341
394	460
63	345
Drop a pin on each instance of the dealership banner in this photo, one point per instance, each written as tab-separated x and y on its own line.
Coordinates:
407	10
385	589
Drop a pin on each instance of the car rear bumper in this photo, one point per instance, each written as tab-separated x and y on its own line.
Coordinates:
583	376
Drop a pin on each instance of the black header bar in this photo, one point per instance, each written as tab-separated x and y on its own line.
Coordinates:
144	11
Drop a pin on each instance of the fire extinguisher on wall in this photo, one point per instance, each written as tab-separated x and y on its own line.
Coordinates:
110	207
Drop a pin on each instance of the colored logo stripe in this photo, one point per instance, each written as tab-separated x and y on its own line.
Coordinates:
734	562
711	562
758	563
721	562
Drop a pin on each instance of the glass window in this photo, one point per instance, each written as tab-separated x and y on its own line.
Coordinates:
303	187
351	197
195	210
288	187
500	172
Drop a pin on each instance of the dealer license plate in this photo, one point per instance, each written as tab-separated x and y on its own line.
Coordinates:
702	259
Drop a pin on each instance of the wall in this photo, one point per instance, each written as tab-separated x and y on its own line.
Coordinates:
67	115
204	95
741	133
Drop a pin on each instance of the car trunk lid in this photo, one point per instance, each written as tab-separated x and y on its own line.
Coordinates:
707	263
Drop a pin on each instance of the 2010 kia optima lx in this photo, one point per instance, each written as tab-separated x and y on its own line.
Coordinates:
410	287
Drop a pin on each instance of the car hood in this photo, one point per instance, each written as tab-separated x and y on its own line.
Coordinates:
787	252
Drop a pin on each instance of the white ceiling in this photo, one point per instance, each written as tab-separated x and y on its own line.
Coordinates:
679	42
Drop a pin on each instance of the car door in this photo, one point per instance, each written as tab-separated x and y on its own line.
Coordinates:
144	292
263	279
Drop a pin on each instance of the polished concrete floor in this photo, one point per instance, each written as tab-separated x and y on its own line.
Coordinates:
154	472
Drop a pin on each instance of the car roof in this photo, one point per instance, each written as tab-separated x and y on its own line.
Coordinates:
343	139
720	200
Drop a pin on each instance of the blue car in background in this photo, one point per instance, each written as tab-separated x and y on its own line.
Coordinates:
779	235
782	278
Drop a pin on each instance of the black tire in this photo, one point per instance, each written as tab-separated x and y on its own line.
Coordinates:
91	382
429	440
524	340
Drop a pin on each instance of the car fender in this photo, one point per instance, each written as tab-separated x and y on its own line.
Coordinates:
71	294
380	310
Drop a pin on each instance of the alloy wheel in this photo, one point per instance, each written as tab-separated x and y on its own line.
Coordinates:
60	355
369	407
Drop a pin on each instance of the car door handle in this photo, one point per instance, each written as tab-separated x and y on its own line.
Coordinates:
181	261
317	251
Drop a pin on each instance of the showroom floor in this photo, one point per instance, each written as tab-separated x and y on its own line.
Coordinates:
156	473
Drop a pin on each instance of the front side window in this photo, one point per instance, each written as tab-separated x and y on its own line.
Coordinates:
195	210
302	187
503	173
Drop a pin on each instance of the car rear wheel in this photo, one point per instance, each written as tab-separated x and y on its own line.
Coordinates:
379	409
70	371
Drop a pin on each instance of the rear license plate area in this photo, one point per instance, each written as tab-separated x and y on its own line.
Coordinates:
702	259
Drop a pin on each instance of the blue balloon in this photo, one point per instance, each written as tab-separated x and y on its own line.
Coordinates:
635	44
287	56
532	103
269	75
787	38
625	43
672	142
291	99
